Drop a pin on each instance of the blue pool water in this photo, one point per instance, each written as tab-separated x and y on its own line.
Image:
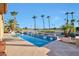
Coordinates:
36	41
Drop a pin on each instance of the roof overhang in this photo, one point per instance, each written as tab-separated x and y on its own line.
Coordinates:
3	8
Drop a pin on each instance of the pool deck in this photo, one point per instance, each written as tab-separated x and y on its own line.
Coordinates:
58	48
18	47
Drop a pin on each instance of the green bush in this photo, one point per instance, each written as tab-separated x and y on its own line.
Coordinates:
72	35
77	28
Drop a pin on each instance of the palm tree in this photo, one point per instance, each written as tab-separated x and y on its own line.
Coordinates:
67	14
48	17
14	13
67	21
65	30
72	14
72	22
5	23
11	24
6	27
34	17
68	29
42	16
78	22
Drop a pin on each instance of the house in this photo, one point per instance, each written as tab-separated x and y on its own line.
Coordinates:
3	8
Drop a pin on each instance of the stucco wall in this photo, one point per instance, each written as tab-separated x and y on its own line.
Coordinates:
1	27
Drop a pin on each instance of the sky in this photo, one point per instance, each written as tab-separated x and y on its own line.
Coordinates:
54	10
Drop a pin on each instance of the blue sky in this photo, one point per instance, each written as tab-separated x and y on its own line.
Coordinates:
56	11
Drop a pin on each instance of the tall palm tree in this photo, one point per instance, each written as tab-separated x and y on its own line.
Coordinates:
11	24
42	16
48	17
6	27
14	13
5	23
67	21
78	22
72	20
72	14
34	17
67	13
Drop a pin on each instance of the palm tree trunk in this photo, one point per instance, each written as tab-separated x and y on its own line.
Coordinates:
72	16
67	16
78	24
43	24
13	26
1	27
49	23
14	23
34	24
67	19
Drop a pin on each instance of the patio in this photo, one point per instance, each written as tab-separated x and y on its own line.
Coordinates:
58	48
18	47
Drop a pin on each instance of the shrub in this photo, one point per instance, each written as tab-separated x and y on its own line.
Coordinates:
72	35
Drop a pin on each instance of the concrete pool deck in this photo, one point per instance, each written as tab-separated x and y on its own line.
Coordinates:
58	48
18	47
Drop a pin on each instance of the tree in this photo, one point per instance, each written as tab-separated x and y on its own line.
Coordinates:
77	28
67	20
72	14
78	22
68	29
6	27
72	20
48	17
42	16
11	24
14	13
18	29
25	28
34	17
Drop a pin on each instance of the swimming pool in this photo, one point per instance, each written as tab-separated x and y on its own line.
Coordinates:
36	41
